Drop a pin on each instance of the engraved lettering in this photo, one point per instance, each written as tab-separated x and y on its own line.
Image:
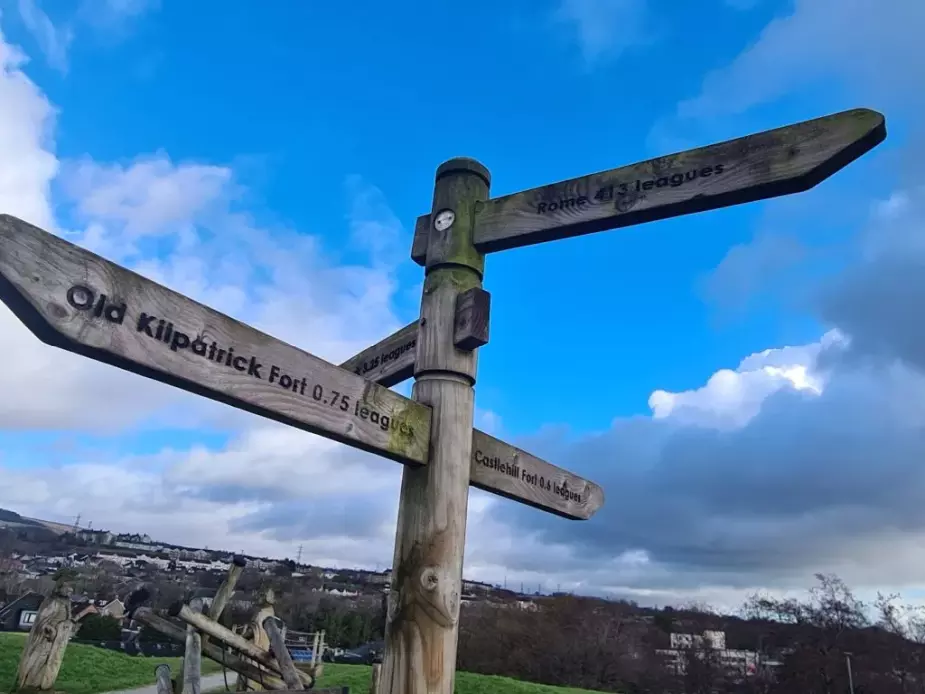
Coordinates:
98	306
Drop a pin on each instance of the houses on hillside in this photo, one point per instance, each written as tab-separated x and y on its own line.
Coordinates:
20	614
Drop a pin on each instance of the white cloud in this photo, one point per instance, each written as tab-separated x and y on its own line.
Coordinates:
53	41
605	28
797	459
874	44
732	398
28	164
112	19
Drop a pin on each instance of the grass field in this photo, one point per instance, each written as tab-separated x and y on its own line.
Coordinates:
357	678
89	670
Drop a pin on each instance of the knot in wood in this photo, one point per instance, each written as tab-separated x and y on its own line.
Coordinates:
429	579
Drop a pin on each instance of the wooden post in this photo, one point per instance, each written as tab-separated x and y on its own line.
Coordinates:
374	679
227	637
239	665
44	650
226	590
192	656
422	622
287	667
162	673
265	608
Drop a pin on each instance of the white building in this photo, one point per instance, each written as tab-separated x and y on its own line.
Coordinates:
734	661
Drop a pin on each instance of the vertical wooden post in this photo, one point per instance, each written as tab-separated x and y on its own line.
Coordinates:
192	656
226	590
423	611
265	608
44	650
162	673
286	667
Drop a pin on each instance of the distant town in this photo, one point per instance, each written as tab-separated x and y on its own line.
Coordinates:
55	545
772	645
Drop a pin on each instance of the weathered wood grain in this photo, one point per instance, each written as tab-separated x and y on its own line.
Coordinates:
43	279
764	165
472	318
146	616
287	668
390	361
235	641
44	649
423	611
508	471
226	590
162	679
419	241
561	492
265	607
192	656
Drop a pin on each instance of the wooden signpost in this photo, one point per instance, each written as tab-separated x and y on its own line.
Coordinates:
496	466
73	299
389	362
80	302
765	165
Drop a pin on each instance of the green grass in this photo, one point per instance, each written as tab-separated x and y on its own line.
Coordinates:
357	678
89	670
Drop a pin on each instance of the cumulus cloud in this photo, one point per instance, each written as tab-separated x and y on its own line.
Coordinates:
797	459
182	224
800	458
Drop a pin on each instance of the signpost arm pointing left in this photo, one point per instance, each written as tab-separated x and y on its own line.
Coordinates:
80	302
421	630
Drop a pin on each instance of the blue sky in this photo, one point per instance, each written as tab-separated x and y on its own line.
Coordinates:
300	96
296	144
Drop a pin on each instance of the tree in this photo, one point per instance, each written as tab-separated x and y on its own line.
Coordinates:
818	633
99	627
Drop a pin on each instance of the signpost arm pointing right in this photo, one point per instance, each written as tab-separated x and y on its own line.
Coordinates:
422	624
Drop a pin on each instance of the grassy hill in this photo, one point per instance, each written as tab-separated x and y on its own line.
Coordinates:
89	670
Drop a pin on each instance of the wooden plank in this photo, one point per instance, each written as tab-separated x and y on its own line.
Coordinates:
144	615
390	361
226	590
231	640
472	318
80	302
508	471
777	162
287	668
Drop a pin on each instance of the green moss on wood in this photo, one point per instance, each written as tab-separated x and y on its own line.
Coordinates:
414	445
461	279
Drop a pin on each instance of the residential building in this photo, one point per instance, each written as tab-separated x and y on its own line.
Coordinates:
20	614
